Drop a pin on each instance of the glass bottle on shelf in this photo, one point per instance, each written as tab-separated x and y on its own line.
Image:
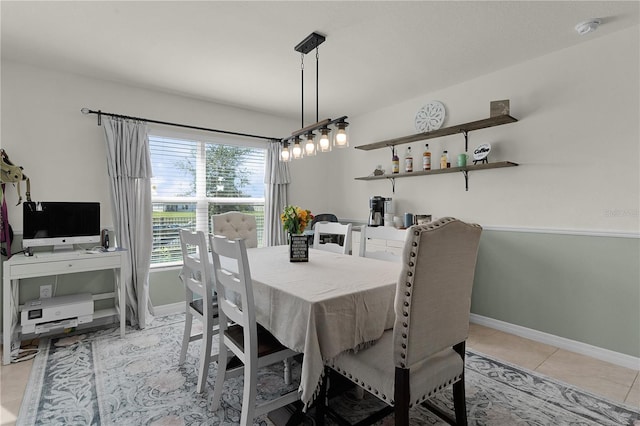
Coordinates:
408	161
426	158
395	162
444	160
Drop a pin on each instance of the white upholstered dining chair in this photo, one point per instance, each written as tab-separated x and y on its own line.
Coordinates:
200	299
236	225
333	228
254	346
384	235
424	352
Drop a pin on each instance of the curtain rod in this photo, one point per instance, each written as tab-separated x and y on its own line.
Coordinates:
100	113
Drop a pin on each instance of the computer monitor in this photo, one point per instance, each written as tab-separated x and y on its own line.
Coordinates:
60	224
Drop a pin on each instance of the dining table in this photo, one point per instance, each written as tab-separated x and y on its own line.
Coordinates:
320	308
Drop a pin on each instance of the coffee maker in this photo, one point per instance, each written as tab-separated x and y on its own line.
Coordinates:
376	211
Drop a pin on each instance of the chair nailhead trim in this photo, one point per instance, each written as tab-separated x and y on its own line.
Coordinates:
384	396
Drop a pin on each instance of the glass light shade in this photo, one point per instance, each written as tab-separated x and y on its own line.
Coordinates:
285	155
341	138
297	150
310	145
324	144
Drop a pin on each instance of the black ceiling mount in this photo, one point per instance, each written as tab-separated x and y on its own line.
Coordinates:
312	41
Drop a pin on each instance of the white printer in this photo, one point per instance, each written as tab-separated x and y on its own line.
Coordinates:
43	315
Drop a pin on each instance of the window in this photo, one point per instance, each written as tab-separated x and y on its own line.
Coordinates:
194	179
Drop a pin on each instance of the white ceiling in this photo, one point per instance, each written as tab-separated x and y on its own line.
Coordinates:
242	53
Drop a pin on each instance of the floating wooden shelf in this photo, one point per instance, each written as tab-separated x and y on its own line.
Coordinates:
446	131
464	170
468	168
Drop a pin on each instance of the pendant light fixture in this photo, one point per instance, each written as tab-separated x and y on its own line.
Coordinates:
309	147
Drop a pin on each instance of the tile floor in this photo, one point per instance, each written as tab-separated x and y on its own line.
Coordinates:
611	381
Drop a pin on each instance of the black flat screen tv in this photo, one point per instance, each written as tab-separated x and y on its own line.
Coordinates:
60	224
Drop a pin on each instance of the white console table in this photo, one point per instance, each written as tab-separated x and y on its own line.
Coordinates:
47	264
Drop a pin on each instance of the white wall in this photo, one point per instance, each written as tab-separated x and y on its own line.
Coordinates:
576	141
62	150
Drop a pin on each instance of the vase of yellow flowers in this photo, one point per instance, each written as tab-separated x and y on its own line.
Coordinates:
294	221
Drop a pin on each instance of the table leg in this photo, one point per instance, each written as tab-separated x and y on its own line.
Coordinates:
7	308
123	297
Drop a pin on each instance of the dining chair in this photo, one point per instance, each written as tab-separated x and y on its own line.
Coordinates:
252	344
323	217
384	234
236	225
424	352
333	228
200	299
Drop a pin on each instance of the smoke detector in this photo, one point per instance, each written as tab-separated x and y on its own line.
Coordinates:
588	26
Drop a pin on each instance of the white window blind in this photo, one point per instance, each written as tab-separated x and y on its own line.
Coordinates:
196	179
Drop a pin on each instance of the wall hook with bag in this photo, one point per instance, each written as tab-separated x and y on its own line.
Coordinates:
9	173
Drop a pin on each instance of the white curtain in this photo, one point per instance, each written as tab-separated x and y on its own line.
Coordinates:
129	169
277	179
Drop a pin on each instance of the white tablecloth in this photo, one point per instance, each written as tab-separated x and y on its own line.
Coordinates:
322	307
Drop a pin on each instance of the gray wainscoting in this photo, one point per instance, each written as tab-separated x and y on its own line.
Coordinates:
584	288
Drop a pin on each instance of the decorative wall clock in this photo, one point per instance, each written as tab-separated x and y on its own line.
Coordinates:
430	117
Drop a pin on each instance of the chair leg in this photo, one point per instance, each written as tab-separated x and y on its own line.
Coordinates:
459	402
205	355
249	391
186	337
220	376
287	371
402	395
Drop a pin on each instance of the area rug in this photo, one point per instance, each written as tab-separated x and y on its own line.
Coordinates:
98	378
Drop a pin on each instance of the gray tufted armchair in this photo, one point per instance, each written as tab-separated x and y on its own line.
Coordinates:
424	352
236	225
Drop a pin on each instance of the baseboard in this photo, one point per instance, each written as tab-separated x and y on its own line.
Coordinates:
169	309
602	354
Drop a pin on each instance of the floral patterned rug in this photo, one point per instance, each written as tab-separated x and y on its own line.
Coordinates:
97	378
